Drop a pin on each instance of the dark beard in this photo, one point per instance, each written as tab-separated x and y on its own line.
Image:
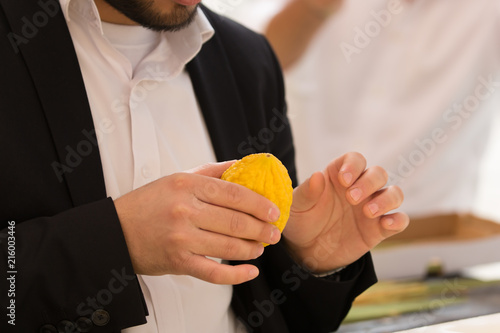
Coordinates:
143	12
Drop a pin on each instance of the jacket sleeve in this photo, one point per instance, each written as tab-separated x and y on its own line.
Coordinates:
286	298
69	269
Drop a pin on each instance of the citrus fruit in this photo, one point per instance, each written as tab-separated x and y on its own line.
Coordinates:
266	175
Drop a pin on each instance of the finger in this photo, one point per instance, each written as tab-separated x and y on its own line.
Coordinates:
236	224
350	166
237	197
308	193
383	201
214	170
211	271
225	247
393	224
370	181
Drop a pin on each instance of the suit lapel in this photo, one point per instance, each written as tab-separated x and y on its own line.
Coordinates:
66	106
218	97
41	36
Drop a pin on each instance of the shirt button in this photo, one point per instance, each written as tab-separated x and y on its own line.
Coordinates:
146	173
100	317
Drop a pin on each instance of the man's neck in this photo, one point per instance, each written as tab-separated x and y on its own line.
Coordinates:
109	14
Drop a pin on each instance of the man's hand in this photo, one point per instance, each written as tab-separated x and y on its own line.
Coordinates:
338	215
172	224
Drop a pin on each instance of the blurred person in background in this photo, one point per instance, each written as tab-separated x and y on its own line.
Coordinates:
413	85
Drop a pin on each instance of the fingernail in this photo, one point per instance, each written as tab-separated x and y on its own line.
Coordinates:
355	194
275	235
373	207
347	178
389	221
273	214
259	252
252	274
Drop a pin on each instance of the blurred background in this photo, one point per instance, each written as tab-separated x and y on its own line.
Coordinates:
487	203
379	78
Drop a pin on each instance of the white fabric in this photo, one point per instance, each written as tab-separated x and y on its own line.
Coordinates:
149	125
400	82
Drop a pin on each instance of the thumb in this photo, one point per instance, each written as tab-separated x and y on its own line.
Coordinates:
307	194
214	170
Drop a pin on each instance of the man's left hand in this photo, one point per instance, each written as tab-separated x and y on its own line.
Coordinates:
341	213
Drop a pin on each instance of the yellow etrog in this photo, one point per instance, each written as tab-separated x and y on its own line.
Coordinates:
266	175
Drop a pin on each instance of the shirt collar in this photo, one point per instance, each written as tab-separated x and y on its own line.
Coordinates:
88	9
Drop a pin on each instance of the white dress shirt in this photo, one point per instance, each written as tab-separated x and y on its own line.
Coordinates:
412	85
149	125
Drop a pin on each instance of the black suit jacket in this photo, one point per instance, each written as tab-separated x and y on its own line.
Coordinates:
68	252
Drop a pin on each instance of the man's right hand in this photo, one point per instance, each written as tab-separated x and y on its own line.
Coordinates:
172	225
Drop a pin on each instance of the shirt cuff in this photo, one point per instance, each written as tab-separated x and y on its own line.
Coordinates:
329	273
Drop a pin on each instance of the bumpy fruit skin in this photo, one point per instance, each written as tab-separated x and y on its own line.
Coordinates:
266	175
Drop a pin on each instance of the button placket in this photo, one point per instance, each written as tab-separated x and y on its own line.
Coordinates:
144	141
